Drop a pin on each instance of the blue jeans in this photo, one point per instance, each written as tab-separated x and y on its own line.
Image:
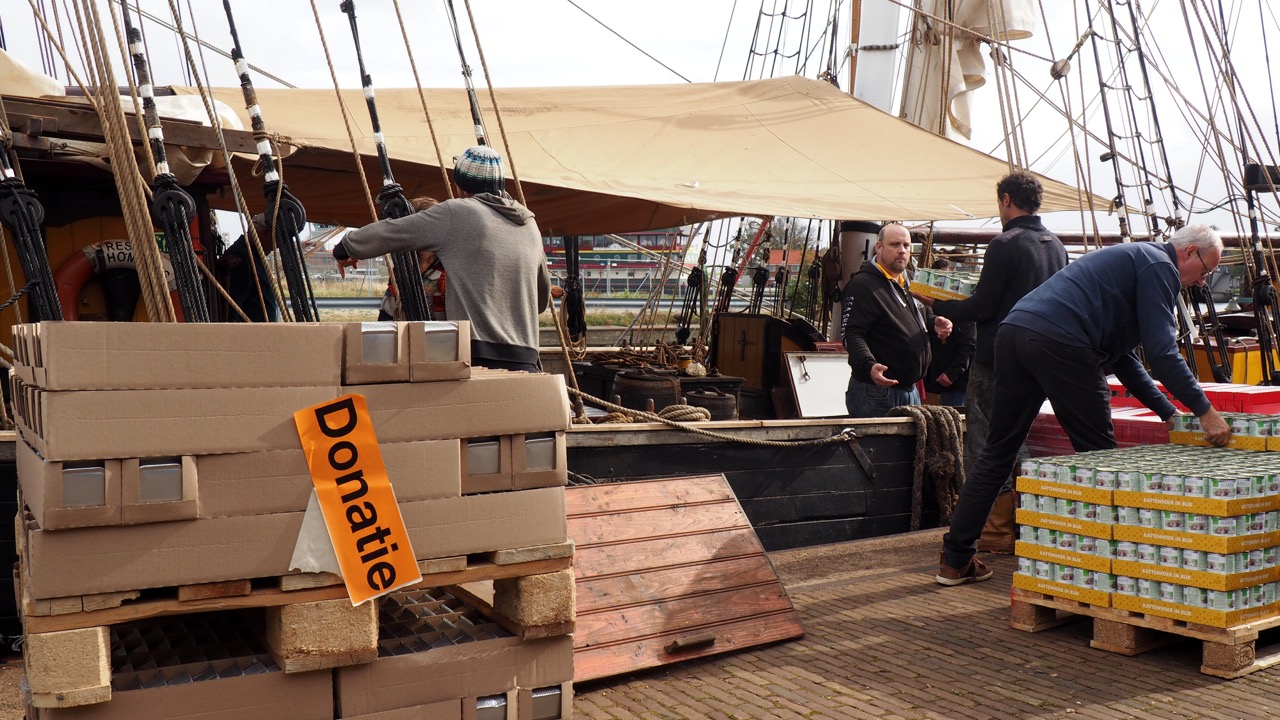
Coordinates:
951	398
868	400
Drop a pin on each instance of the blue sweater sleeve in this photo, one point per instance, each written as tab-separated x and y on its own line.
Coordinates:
1136	380
1158	329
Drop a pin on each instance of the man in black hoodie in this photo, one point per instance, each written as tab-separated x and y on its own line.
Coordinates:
885	331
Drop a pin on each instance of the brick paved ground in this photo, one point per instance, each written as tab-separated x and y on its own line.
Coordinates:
883	641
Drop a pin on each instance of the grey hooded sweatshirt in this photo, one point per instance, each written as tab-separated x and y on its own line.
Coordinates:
491	249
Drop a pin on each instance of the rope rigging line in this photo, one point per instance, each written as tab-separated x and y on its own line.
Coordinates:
128	178
1135	38
426	112
171	207
1264	292
625	40
1118	202
848	435
284	213
477	120
256	252
391	200
22	215
497	111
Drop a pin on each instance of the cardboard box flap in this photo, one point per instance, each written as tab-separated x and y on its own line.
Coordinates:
122	356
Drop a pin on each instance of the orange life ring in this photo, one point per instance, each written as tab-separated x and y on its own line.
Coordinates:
73	274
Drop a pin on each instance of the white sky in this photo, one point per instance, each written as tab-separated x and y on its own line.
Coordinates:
556	42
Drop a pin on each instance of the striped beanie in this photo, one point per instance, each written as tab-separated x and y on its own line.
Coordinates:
479	170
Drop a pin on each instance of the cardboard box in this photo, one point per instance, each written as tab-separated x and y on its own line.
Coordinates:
486	465
84	561
444	710
496	403
488	667
277	481
539	460
267	696
42	490
439	351
113	424
375	352
158	490
152	356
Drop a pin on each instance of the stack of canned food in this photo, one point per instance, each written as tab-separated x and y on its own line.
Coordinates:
1192	527
960	282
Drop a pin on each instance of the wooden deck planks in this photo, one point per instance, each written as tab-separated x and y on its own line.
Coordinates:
668	570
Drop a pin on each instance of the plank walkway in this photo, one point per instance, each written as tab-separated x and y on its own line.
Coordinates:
883	641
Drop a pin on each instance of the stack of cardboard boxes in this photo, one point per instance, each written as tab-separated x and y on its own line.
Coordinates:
162	477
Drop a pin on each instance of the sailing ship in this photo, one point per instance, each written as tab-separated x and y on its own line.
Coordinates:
600	160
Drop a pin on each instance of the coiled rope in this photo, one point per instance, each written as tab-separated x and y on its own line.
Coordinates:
939	457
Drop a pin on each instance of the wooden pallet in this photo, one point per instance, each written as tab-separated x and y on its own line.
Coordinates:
87	611
1227	652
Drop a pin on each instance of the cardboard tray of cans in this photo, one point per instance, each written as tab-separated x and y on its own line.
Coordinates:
944	284
1213	617
1055	554
1062	589
1249	431
1064	524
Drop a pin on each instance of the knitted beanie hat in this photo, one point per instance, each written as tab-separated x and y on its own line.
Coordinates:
479	170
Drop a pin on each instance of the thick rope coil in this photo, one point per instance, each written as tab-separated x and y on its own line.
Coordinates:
939	457
685	413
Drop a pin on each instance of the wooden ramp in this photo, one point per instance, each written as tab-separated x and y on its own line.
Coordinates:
669	570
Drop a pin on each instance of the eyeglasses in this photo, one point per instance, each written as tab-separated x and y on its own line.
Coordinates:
1206	269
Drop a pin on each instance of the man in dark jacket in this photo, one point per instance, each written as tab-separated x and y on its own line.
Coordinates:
885	331
948	373
1017	261
1056	343
248	283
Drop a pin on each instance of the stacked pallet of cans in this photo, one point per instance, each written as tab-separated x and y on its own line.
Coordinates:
163	491
1175	531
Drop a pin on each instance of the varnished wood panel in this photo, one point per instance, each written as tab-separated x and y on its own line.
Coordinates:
661	579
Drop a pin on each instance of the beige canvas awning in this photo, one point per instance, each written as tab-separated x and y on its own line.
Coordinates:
613	159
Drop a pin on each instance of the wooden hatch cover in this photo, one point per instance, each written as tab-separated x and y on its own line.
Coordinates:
669	570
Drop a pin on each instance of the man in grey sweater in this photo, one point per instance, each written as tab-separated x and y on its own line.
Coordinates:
492	249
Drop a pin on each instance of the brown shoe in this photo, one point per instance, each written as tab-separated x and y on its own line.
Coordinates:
975	571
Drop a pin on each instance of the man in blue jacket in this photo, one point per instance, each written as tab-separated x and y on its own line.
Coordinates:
1057	342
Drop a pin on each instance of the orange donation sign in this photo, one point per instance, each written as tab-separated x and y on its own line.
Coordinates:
355	495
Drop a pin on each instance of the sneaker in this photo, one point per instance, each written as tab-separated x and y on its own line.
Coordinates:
974	571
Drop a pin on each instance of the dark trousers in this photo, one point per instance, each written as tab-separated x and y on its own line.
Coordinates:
1029	368
978	400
